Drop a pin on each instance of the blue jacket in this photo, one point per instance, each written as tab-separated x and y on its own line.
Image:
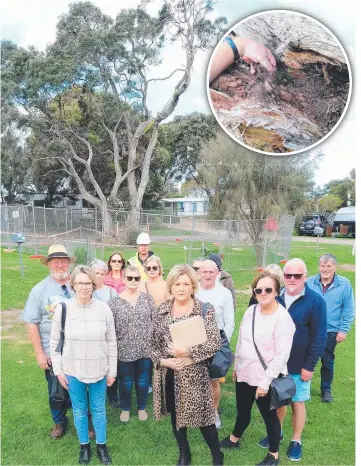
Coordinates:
310	318
339	300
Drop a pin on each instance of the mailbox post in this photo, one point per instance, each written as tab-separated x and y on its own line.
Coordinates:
19	239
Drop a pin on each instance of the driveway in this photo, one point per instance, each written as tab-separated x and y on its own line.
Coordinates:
323	240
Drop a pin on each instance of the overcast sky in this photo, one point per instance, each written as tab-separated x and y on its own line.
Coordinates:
33	23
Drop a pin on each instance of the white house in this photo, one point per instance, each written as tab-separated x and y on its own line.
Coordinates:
186	206
73	201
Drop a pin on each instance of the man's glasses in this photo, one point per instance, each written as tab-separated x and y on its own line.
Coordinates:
297	276
117	261
84	284
259	290
130	278
154	267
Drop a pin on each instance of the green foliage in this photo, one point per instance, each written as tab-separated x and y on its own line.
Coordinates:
329	203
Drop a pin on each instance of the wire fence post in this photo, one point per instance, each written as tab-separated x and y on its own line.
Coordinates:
34	227
8	226
264	258
46	240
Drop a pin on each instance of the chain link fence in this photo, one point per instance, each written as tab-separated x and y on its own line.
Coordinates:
89	233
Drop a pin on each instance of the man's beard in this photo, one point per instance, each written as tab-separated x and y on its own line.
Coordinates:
59	275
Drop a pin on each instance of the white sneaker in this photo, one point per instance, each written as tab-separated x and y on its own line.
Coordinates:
218	421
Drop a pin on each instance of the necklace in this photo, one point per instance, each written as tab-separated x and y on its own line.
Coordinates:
185	314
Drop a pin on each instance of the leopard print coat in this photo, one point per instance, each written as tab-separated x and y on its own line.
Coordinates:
192	385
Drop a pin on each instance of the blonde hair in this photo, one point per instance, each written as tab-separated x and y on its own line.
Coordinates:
83	269
275	269
157	260
177	271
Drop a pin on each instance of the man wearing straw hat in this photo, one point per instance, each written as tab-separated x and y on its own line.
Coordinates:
38	313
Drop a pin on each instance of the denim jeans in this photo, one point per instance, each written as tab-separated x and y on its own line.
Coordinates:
328	361
79	399
130	372
59	416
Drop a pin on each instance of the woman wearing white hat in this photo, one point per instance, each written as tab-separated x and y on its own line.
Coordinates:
143	242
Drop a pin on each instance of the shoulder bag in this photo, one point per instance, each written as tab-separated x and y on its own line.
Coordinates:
283	388
221	362
59	396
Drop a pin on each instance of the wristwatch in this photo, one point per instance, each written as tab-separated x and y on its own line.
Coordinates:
233	46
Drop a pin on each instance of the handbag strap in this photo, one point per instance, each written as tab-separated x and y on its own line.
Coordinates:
255	346
59	348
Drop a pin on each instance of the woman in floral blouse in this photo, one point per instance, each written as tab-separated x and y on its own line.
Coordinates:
132	311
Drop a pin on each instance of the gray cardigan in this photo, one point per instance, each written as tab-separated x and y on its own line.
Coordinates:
90	348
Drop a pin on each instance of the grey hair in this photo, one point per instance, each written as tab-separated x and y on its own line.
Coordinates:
198	259
98	264
296	261
328	258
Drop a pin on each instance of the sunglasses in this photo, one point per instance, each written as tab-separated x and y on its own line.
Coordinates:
154	267
195	268
259	290
297	276
130	278
115	261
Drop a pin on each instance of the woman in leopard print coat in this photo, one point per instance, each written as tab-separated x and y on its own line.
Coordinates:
184	391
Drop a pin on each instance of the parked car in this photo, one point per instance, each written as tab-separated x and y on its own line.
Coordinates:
346	216
313	224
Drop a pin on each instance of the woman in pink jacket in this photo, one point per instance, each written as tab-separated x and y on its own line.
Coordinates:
273	335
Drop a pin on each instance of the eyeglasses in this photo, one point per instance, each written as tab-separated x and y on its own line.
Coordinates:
154	267
195	268
297	276
130	278
259	290
84	284
117	261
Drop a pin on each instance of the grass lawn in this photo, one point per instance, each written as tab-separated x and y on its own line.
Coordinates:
328	439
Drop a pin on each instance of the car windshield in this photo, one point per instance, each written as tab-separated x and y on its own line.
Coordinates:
310	217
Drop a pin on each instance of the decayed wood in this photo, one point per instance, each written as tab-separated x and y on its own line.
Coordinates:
301	102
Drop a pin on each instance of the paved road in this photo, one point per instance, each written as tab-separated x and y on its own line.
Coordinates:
324	240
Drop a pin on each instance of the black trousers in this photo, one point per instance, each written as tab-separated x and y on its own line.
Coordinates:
209	433
245	396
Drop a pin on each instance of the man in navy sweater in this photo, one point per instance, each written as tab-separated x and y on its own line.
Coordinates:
308	311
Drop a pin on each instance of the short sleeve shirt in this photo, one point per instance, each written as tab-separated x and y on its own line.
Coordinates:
40	306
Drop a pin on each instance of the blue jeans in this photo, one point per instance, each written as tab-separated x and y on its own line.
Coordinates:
328	361
130	372
59	416
79	400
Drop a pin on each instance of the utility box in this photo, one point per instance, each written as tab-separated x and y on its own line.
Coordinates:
344	230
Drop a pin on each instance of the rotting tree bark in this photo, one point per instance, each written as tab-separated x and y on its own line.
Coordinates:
301	102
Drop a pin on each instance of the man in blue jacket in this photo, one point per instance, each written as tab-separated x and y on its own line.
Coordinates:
308	311
338	294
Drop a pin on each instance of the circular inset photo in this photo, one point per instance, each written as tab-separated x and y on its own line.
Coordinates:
279	82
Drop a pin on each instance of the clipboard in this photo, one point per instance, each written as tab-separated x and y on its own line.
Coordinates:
188	332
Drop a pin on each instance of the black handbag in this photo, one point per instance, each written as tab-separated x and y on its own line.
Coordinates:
283	388
220	363
59	396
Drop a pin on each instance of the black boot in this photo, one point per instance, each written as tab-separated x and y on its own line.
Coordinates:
84	456
184	456
218	460
103	453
